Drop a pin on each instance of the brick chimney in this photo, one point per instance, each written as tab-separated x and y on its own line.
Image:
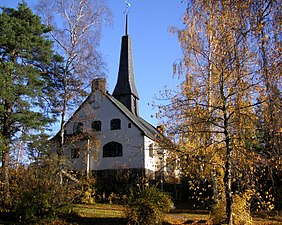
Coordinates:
99	84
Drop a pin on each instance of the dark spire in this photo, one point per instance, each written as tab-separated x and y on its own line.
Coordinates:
126	24
125	90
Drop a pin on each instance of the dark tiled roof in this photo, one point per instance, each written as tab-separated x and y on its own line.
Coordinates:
148	129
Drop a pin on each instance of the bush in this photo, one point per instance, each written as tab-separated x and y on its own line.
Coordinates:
38	193
218	213
88	196
148	206
241	210
116	199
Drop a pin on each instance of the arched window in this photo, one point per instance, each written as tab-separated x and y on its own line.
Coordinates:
115	124
112	149
96	125
78	128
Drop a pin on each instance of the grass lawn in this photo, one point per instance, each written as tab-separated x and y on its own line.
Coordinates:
106	214
97	214
115	215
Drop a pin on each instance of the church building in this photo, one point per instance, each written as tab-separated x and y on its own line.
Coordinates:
107	133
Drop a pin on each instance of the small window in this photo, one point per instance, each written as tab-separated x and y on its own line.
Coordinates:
75	153
112	149
78	128
96	125
115	124
129	125
151	150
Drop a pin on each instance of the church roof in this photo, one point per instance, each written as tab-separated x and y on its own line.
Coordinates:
148	129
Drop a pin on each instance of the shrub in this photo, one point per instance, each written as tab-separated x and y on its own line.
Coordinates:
88	196
241	210
218	213
117	199
148	206
39	193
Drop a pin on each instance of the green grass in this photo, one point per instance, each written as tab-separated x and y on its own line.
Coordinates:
115	214
100	211
106	214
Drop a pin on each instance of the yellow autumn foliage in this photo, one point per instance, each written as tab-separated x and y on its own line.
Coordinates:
241	210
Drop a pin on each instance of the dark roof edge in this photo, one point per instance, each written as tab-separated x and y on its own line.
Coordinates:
148	129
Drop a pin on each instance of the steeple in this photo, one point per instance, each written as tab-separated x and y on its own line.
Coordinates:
126	24
125	90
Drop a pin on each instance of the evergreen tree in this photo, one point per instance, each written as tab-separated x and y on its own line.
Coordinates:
25	84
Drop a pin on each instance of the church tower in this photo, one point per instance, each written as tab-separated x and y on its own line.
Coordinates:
125	90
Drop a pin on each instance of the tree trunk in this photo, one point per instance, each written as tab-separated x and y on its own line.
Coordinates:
62	130
6	155
228	186
228	172
5	177
228	157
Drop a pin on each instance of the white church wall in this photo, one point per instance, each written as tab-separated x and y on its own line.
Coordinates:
76	154
155	157
150	161
100	108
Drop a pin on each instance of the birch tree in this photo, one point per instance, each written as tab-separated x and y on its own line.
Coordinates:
213	117
76	28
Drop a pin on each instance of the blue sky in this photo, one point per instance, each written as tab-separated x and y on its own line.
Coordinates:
154	48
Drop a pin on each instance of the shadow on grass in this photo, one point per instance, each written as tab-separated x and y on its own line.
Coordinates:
11	219
8	218
76	219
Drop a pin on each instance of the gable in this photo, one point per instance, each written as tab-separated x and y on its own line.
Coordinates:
148	129
100	106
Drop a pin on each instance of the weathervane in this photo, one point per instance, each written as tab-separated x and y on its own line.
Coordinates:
127	5
126	12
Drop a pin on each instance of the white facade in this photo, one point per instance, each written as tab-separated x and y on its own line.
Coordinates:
106	131
136	145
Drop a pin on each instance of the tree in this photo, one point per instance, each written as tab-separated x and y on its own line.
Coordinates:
76	33
25	53
213	117
268	34
266	15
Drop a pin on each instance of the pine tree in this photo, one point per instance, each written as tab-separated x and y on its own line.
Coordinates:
25	84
